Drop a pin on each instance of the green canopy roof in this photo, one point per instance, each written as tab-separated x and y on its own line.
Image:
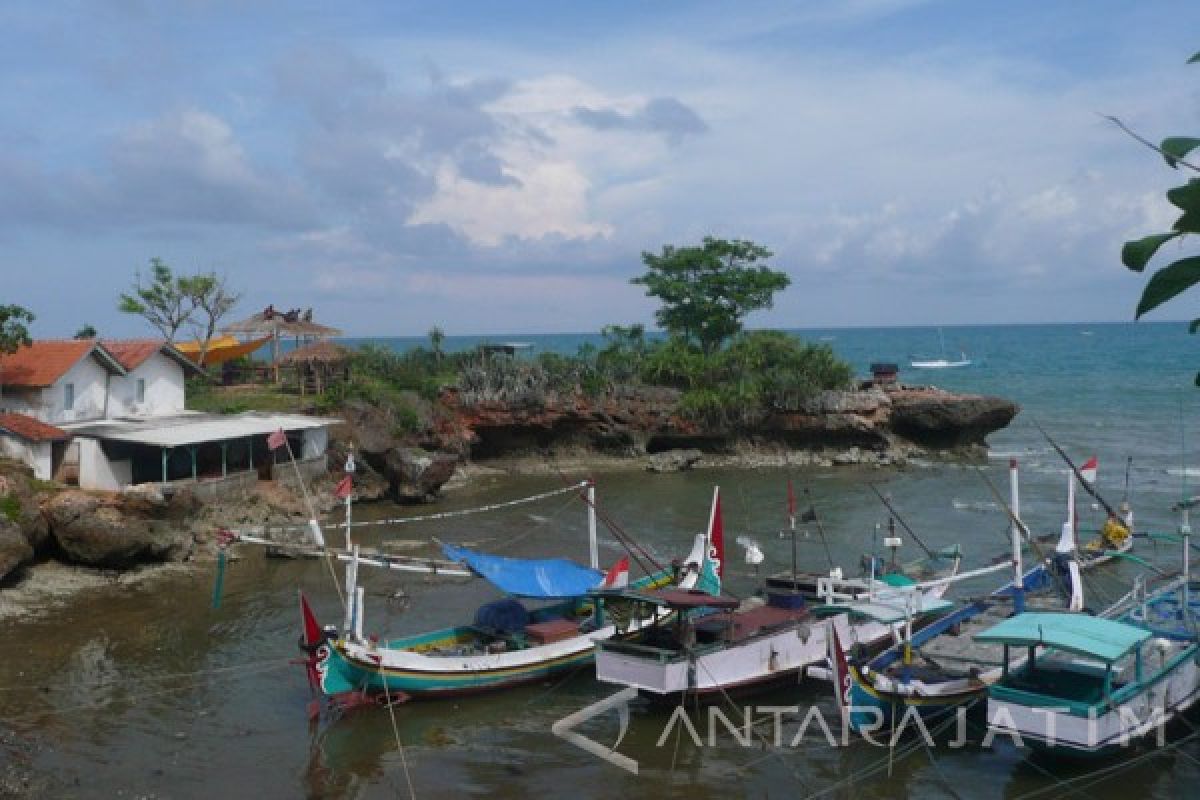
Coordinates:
1102	639
886	613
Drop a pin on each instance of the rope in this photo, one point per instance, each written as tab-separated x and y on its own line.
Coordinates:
442	514
396	730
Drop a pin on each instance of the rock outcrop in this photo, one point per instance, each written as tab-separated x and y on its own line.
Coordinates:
387	464
22	528
113	531
637	422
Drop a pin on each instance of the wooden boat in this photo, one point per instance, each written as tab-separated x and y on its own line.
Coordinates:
1089	686
942	667
702	645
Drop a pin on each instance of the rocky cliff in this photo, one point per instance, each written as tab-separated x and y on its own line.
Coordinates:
646	421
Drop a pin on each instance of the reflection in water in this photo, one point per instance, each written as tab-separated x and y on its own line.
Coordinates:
146	690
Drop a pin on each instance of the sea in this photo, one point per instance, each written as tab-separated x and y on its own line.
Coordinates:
142	688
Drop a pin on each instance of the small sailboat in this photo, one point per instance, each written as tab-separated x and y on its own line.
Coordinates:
943	362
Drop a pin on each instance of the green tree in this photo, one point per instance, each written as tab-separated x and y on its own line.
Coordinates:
165	301
436	338
211	300
1183	273
706	291
88	331
14	330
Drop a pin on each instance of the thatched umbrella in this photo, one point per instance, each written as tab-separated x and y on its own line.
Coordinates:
277	324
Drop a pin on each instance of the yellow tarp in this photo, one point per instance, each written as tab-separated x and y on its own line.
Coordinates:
221	349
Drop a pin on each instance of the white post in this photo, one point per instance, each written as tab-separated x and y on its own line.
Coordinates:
593	545
1018	569
348	545
351	588
359	597
1185	533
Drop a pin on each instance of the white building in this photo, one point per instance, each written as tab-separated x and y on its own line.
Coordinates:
108	415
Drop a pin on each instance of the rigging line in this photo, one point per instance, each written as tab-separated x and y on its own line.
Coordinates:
766	744
395	729
899	519
1087	487
820	527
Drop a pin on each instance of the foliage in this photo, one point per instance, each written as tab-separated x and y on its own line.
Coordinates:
10	507
437	338
1183	273
706	291
169	302
14	330
87	331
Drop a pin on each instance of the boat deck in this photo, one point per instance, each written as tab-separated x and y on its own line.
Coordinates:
751	622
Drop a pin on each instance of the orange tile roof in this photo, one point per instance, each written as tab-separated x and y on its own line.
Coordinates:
42	363
29	428
132	352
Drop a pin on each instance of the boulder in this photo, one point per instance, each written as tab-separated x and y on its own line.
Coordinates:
22	527
96	531
372	427
15	549
416	475
942	420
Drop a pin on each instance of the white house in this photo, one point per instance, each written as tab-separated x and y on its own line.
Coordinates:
107	415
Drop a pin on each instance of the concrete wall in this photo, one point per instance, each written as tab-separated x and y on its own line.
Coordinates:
310	470
34	454
91	394
235	484
95	469
316	440
23	401
164	393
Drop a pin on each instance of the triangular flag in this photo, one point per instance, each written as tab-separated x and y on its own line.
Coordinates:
791	500
716	536
618	576
839	671
344	488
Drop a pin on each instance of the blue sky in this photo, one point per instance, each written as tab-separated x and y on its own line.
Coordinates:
497	168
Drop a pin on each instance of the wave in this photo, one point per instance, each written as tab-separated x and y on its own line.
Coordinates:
1184	472
982	506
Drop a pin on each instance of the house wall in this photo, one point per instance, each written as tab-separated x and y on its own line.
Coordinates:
316	440
90	394
34	454
164	389
22	401
96	471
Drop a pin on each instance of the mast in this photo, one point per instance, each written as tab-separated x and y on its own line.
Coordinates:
1018	569
593	546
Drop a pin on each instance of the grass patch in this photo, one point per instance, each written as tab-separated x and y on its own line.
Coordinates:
10	508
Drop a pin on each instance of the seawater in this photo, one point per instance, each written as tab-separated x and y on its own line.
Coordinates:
143	689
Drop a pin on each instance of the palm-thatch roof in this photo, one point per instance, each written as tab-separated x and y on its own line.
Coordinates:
323	352
282	324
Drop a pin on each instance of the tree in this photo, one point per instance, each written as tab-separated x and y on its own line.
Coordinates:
211	300
88	331
14	330
706	291
436	337
1183	273
165	302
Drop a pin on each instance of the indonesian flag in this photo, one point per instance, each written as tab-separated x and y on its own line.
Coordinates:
791	501
1088	470
344	488
277	439
618	576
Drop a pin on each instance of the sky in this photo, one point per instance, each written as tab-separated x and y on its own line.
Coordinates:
501	167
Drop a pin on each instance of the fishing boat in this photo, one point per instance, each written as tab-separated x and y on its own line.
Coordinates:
943	362
941	667
701	644
1089	686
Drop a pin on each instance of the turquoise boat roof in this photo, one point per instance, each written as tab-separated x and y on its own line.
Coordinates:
886	613
1102	639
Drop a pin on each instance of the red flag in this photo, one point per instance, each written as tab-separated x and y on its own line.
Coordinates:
312	637
716	536
277	439
1088	470
791	500
344	488
618	576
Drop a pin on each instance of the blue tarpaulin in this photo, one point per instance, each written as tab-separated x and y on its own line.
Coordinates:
528	577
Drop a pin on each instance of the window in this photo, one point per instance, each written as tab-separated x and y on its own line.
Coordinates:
69	396
141	390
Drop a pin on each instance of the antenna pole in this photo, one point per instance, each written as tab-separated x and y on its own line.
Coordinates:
1018	569
593	544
